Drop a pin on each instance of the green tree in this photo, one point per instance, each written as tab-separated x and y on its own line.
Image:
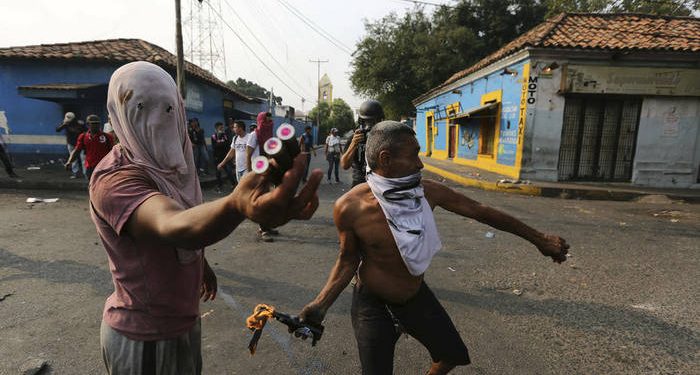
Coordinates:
342	116
658	7
321	112
337	115
400	58
251	88
665	7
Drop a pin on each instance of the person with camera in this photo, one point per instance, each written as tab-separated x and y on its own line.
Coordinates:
371	112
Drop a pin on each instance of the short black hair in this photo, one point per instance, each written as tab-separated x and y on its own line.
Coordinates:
386	135
218	124
240	123
307	127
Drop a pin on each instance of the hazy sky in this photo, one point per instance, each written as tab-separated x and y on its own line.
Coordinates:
286	37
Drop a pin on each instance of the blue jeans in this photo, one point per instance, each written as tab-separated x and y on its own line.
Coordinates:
79	163
201	157
333	163
228	169
308	165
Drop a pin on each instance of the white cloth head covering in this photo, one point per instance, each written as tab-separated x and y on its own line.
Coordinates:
410	218
148	116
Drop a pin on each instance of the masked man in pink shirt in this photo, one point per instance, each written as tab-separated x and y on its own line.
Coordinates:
146	203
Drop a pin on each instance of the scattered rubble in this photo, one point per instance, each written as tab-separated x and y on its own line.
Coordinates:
34	366
655	199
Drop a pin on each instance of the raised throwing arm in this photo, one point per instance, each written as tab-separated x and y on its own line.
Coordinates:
549	245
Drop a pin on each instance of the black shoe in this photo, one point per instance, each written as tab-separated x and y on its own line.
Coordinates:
273	232
13	175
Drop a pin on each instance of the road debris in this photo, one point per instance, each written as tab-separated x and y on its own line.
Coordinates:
33	366
42	200
33	168
451	269
490	235
655	199
207	313
2	298
518	292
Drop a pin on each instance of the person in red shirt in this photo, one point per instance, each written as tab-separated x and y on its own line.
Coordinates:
96	144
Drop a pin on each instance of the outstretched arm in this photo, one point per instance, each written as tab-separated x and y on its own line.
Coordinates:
549	245
343	270
231	154
160	219
71	158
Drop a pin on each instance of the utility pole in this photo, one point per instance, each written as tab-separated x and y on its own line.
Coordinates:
180	57
318	91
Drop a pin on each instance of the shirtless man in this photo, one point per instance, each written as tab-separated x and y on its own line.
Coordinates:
389	285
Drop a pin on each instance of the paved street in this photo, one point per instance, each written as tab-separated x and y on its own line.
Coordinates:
626	302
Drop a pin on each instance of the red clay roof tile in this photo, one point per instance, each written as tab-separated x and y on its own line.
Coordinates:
604	32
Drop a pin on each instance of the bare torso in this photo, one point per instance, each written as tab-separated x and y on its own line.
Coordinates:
382	270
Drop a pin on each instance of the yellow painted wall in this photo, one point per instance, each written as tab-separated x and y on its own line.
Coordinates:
486	162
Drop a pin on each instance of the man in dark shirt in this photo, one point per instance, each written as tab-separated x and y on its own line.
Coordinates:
221	143
199	146
306	143
230	130
371	112
73	129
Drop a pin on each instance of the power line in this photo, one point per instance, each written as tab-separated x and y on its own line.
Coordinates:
316	28
419	2
318	99
263	45
253	52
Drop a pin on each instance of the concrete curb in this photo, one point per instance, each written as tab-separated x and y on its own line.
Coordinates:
485	185
554	191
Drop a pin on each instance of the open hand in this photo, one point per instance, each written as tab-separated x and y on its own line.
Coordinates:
272	208
554	247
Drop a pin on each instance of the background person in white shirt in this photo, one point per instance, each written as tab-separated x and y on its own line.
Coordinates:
333	150
238	151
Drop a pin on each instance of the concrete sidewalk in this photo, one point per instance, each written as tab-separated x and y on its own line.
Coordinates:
52	176
475	177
